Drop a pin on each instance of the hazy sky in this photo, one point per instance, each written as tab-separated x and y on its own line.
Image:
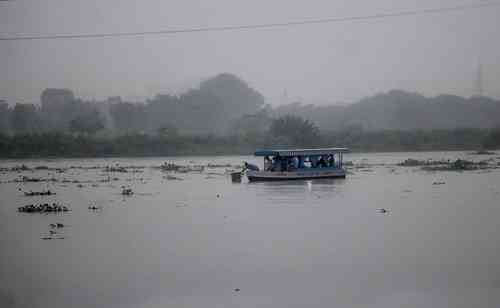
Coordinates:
338	62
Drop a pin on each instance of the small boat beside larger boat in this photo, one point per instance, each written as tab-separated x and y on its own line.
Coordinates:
298	164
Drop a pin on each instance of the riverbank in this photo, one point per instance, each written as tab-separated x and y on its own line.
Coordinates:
60	145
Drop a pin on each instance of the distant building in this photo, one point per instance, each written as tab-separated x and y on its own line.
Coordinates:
114	99
56	107
55	99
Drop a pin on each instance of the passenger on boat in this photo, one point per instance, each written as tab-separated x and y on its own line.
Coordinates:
251	167
276	164
307	163
292	163
284	164
300	163
331	160
321	162
267	163
314	161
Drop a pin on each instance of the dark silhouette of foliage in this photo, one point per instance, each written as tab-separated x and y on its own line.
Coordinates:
53	144
25	118
4	117
292	130
88	123
492	140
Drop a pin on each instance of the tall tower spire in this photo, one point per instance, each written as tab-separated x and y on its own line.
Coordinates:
285	97
479	80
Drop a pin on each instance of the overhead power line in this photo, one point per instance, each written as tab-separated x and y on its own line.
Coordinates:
441	10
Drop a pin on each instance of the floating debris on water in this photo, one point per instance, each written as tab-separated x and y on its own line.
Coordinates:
43	208
127	191
236	176
483	152
209	165
57	225
171	177
115	169
442	165
22	167
410	162
168	166
25	179
39	193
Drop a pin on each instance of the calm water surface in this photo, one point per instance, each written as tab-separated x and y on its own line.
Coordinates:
192	243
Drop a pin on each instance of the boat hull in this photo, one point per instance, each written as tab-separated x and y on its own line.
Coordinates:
307	174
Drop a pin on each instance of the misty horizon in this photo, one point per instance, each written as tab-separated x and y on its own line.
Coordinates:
284	100
321	64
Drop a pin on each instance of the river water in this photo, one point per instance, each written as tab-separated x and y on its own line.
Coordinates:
204	241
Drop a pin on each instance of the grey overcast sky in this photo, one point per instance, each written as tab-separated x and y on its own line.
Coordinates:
322	63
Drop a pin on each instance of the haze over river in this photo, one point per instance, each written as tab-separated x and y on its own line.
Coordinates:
204	241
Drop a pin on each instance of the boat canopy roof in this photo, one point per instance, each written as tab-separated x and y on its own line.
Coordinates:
300	152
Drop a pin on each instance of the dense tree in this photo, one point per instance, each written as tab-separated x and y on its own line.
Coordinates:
129	117
25	118
293	130
400	110
4	117
225	105
56	110
492	140
235	96
88	123
168	132
257	123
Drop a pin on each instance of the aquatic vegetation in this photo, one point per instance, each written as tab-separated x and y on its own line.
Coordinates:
171	177
168	166
24	179
461	165
39	193
441	165
410	162
209	165
57	225
43	208
22	167
127	191
115	169
483	152
438	183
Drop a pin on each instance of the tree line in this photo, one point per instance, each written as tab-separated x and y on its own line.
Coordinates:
281	134
212	108
225	115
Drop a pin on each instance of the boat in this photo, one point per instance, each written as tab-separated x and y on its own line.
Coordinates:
298	164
